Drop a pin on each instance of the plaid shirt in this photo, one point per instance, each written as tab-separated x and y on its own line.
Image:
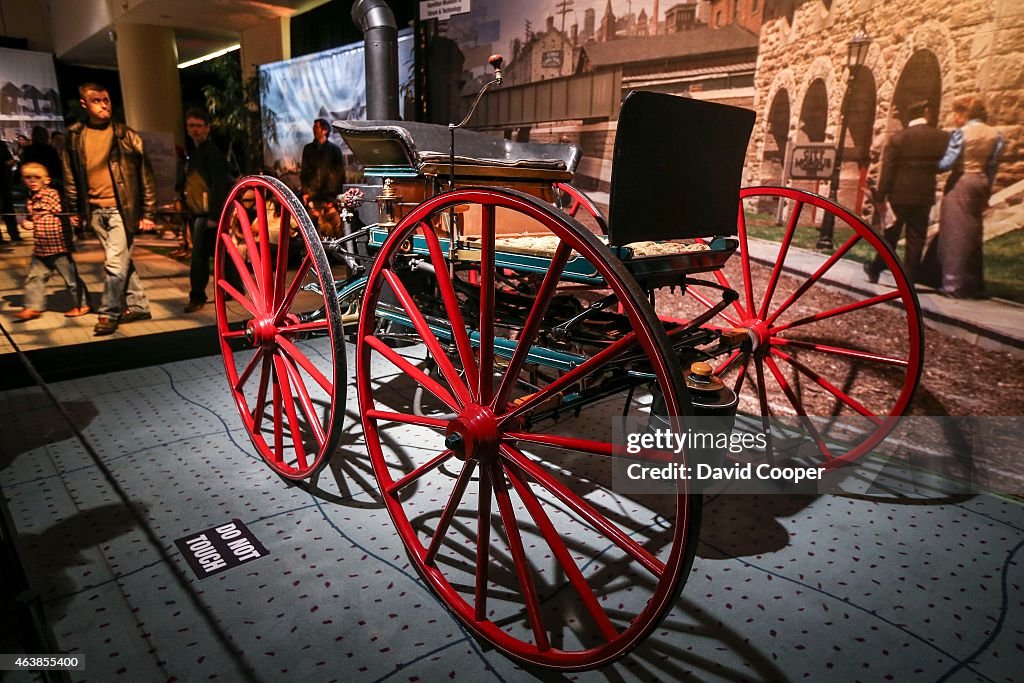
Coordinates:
50	239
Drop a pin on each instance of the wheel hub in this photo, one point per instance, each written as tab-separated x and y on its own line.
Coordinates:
474	434
261	331
759	332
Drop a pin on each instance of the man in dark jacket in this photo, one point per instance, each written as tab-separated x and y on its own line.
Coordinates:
7	163
41	152
108	179
910	164
206	188
323	167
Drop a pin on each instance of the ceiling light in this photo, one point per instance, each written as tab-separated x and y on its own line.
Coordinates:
212	55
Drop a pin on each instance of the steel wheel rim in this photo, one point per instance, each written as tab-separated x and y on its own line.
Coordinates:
280	367
686	520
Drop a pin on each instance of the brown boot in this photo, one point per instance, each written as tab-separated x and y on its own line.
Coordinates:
104	326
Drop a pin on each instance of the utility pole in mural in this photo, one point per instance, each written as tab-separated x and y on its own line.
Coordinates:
563	8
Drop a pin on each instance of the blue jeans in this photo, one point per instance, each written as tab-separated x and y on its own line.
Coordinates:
122	287
41	269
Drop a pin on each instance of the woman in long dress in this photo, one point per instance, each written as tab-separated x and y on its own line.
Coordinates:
972	155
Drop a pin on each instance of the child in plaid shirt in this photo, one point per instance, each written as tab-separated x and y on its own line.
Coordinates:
52	250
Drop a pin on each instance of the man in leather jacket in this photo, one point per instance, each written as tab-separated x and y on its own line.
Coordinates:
109	181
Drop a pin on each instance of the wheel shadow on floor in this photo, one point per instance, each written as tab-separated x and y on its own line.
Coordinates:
665	656
350	471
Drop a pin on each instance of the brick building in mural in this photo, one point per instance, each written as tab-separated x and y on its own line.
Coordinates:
548	54
920	50
747	13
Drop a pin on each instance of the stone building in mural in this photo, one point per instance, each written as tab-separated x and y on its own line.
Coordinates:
921	50
548	54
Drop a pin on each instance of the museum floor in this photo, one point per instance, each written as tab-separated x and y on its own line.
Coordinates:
900	582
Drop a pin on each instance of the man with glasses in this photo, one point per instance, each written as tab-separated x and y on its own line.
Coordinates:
109	181
206	188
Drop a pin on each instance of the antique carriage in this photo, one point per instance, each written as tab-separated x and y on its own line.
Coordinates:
502	326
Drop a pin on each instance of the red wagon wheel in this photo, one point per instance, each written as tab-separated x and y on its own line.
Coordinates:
280	330
577	204
839	364
500	490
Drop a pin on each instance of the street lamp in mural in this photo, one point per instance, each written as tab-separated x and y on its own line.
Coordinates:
856	55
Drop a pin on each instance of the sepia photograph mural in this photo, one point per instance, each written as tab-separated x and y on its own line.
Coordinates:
28	94
831	83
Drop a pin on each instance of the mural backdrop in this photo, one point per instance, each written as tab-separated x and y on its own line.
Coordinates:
328	84
28	93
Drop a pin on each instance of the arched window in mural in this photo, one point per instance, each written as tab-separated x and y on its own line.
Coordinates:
775	139
814	113
921	80
778	128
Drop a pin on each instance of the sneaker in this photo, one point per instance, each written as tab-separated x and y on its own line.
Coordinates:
78	312
824	244
26	314
104	326
194	306
136	314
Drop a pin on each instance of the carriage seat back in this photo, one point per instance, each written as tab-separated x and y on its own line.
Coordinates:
676	168
394	148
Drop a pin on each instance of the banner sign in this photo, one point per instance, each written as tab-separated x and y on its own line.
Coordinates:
159	148
812	161
551	59
220	548
329	85
28	93
442	9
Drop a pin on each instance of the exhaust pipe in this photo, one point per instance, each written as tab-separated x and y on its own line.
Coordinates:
380	34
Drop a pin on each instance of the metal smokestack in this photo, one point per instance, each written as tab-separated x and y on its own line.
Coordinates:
380	33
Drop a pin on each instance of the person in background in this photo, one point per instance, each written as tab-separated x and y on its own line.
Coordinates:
51	249
909	168
109	181
40	152
205	189
7	164
322	171
972	155
57	141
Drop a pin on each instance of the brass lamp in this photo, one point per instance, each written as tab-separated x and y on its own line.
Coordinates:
387	206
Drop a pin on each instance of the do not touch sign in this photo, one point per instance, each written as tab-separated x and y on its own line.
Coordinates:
220	548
